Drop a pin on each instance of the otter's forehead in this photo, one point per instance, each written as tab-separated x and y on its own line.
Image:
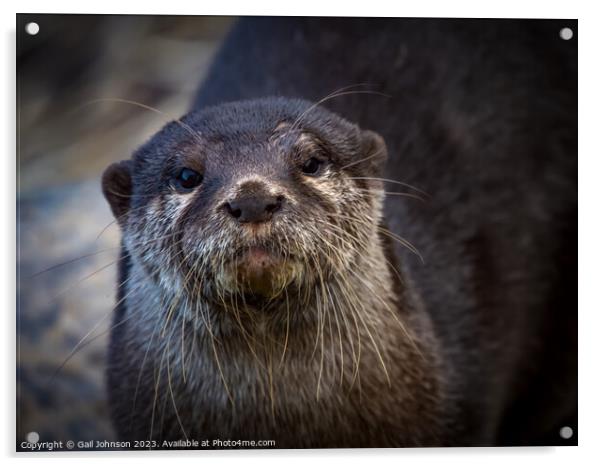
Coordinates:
233	122
251	130
256	120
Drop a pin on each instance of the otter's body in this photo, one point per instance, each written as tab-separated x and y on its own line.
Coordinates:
473	343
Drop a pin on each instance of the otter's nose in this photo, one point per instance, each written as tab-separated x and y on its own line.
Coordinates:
254	208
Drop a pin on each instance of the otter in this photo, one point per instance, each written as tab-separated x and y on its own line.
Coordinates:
392	264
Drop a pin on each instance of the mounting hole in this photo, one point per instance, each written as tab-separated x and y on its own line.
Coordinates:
566	432
566	33
32	28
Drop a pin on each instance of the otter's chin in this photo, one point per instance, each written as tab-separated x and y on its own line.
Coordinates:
260	273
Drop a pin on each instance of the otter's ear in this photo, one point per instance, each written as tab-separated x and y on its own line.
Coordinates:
117	188
374	147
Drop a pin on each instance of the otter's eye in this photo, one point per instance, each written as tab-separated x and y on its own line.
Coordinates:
188	179
311	166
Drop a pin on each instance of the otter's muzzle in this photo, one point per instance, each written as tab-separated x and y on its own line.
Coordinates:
253	203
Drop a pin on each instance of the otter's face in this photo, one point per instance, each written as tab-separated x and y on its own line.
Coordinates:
254	201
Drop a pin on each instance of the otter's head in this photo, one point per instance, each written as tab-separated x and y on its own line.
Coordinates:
254	201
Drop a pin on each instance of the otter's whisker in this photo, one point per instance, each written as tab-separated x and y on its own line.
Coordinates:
157	383
219	366
393	193
336	319
356	162
288	312
175	407
387	180
371	337
186	127
139	378
329	97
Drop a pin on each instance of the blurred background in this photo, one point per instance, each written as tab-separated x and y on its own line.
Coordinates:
67	243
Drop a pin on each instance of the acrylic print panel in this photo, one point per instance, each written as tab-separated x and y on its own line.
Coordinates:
270	232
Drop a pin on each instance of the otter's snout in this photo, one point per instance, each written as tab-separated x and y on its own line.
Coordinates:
253	204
